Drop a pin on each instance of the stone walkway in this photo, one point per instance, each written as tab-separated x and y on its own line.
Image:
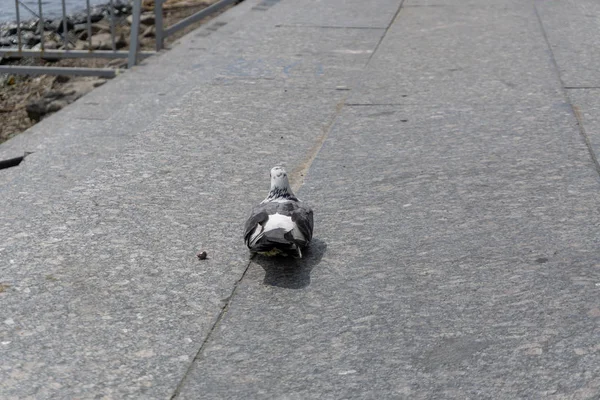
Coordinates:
447	147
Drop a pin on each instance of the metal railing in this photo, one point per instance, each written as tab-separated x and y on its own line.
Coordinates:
162	33
63	31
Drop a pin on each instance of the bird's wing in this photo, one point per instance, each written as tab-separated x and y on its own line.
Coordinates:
259	215
302	216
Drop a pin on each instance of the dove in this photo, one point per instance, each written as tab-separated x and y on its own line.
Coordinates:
281	224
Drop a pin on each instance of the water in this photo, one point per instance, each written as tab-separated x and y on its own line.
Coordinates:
50	8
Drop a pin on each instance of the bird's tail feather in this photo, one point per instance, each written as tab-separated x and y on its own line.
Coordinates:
275	242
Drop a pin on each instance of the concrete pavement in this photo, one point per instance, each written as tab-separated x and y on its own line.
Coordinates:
448	149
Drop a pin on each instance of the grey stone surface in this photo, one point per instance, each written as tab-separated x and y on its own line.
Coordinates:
475	55
105	295
101	292
572	27
455	259
300	56
586	103
456	227
490	5
349	14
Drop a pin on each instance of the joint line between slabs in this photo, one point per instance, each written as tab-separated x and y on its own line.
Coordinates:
329	27
386	31
574	108
297	176
376	104
198	355
299	173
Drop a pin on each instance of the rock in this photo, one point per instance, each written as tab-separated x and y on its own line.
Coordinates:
146	18
30	26
29	39
10	41
118	63
100	27
81	17
103	41
48	45
122	41
39	109
57	25
9	29
120	9
149	32
96	17
81	45
97	13
80	28
53	101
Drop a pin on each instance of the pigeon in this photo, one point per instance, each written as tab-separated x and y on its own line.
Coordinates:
281	224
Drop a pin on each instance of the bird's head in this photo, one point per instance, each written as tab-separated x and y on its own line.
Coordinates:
280	186
279	179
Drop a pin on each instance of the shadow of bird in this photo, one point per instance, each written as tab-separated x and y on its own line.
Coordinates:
292	273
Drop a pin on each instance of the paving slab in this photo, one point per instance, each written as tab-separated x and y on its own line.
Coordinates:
104	293
457	261
487	4
475	55
299	56
455	202
586	103
349	14
572	29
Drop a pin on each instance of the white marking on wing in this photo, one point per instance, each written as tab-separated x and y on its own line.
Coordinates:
278	221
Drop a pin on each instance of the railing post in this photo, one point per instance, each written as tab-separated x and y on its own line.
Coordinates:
135	33
112	25
41	25
158	24
18	25
64	24
89	25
